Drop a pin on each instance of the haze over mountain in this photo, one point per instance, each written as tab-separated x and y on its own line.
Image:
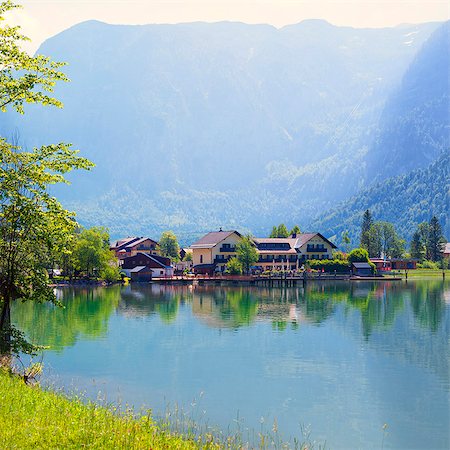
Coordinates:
196	126
415	124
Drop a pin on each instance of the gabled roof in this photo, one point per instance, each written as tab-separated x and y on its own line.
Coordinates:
129	242
139	241
123	242
303	238
154	258
362	265
213	238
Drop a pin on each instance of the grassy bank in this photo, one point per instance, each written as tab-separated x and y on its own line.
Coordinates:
426	273
34	418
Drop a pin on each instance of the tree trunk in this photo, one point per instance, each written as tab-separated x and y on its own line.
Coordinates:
5	327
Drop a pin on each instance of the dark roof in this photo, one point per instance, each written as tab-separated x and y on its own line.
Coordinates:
205	266
139	241
362	265
129	242
212	239
123	242
159	260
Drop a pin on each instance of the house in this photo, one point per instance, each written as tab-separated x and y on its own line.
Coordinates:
361	269
141	274
159	266
292	252
381	264
446	251
184	251
212	251
126	247
403	264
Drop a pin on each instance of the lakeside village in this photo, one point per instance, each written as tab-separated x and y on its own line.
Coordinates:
228	255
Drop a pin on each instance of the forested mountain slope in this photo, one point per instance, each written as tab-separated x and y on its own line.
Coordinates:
405	200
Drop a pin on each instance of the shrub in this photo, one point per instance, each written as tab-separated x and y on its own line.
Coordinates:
329	265
429	265
234	267
358	255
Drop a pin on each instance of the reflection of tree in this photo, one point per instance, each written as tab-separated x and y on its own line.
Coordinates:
85	313
240	307
148	299
168	310
428	303
379	303
225	307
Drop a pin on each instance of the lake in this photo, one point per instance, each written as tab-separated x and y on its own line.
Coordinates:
358	365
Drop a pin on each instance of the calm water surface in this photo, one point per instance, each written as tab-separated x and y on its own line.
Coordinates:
340	359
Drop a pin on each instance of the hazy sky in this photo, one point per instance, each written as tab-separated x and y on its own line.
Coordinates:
41	19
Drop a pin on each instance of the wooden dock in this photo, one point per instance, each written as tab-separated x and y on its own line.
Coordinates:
252	280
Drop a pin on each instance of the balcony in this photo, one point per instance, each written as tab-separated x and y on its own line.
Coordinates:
224	260
224	249
311	248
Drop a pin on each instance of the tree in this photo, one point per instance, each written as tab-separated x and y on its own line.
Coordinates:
234	266
358	255
246	253
365	228
374	245
168	246
435	240
419	241
391	245
92	255
274	232
295	230
33	224
346	240
24	78
416	247
34	227
282	231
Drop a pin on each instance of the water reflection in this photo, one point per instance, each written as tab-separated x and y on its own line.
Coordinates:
87	310
343	357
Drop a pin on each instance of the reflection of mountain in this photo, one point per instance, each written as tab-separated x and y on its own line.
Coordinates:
85	314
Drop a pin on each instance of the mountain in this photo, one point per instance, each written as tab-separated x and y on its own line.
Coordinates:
405	200
415	125
195	126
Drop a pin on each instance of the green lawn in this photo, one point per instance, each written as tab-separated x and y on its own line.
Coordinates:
33	418
424	273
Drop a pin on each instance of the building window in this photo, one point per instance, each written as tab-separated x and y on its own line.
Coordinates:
201	259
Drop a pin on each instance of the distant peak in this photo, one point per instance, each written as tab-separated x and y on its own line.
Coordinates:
310	23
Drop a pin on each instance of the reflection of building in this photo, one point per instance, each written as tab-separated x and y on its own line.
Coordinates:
212	251
130	246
